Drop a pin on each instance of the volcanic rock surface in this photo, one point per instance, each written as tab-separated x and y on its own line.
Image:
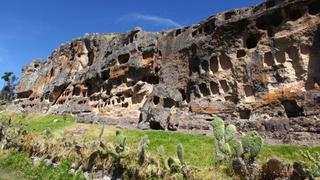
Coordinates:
257	67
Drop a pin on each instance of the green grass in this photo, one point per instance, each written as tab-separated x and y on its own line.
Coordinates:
6	175
19	166
199	150
39	122
285	152
193	145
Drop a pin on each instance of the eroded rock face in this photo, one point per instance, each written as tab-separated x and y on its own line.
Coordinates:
258	68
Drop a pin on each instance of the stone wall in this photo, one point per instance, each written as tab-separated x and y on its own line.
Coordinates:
256	67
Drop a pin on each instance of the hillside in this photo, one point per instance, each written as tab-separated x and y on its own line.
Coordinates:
255	67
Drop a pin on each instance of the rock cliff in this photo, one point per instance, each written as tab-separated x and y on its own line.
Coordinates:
256	67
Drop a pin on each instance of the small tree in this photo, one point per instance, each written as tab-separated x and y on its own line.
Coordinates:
8	90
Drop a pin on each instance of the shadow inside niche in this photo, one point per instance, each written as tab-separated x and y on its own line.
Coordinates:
314	62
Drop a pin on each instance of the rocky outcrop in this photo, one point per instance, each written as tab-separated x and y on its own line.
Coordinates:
256	67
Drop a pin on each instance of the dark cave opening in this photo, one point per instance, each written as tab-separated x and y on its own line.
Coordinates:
168	103
252	41
125	105
124	58
294	14
245	113
148	54
105	74
207	28
241	53
156	100
248	90
194	65
214	64
152	79
314	7
194	33
276	18
269	59
183	94
229	15
214	87
270	4
225	61
205	65
262	23
292	109
224	85
155	125
76	91
204	89
178	32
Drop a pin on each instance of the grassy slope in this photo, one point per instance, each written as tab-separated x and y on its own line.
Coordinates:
199	150
19	166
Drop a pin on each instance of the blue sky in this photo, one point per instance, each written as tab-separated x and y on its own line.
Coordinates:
31	29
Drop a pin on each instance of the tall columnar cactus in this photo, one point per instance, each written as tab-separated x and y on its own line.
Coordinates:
180	153
252	143
101	133
142	149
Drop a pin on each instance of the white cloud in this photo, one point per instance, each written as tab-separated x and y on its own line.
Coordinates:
156	20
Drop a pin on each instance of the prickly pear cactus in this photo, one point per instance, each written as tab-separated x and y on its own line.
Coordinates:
235	145
118	150
227	145
222	149
313	162
230	133
178	166
229	149
237	148
218	129
173	164
252	143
